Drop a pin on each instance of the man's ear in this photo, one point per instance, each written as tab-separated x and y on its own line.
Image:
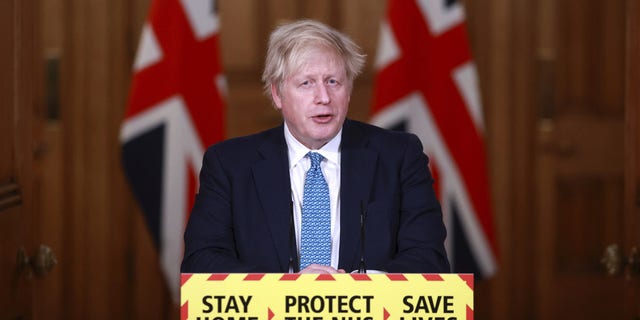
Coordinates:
275	95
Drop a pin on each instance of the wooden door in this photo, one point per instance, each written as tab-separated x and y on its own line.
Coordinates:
580	163
632	164
16	132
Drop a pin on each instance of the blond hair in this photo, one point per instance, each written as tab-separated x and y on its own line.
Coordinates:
289	42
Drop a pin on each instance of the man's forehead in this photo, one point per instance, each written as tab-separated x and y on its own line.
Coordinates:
304	66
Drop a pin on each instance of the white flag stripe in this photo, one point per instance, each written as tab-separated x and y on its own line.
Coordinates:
440	16
204	22
149	52
182	146
388	50
466	79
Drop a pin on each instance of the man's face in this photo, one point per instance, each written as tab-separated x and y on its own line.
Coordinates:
314	99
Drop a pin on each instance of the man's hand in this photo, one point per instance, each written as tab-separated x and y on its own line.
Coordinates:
317	268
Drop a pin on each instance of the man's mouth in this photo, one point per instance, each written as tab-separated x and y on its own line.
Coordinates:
322	118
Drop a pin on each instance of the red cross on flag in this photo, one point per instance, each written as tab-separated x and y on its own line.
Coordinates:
175	110
426	84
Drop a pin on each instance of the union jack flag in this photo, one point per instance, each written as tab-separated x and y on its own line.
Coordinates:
426	83
175	109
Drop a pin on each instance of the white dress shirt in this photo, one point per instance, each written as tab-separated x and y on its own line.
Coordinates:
330	165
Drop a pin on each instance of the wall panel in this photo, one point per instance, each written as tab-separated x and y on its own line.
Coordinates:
240	37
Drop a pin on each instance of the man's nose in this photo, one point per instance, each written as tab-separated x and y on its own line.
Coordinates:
322	94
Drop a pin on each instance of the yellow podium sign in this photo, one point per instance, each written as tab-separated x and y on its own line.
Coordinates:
277	296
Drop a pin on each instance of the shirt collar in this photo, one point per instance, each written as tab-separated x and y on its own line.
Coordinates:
297	151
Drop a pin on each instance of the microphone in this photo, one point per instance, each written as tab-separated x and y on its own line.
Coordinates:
362	268
294	264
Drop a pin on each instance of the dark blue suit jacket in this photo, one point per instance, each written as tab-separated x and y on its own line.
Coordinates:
241	218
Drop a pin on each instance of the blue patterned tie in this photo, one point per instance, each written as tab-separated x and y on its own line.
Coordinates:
315	240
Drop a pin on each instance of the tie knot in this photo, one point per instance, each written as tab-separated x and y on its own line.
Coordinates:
316	158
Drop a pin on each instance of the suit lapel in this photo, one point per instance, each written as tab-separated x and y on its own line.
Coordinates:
274	190
357	171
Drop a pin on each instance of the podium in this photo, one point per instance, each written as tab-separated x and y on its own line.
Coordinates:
277	296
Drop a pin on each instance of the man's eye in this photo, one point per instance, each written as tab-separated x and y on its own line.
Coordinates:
332	81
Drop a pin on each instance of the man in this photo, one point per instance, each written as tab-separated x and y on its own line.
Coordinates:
306	193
